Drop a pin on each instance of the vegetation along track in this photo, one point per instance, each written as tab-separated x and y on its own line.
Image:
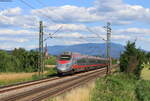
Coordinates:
54	88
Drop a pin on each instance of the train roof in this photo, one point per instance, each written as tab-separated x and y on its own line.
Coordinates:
82	56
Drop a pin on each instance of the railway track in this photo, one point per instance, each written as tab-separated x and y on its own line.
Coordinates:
49	87
4	89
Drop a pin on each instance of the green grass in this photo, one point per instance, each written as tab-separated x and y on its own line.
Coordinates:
51	71
51	61
143	90
121	87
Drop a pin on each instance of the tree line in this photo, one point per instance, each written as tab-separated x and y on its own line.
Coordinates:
18	60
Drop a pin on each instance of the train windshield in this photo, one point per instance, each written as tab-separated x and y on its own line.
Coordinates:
65	57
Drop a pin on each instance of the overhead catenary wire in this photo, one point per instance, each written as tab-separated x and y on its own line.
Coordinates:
95	33
50	35
26	3
54	21
40	3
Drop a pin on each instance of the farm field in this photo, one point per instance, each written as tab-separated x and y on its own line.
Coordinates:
9	78
50	66
145	74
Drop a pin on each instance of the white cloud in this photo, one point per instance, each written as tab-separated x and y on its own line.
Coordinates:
134	31
72	35
16	32
11	11
68	27
19	40
7	47
68	14
116	11
14	17
11	46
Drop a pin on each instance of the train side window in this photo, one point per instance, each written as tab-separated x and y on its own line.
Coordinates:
81	61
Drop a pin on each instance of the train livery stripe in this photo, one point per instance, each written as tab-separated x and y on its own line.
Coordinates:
82	66
63	61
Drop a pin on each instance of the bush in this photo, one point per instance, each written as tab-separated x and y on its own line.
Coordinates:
51	61
143	90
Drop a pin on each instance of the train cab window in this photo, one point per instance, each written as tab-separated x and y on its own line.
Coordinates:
81	61
65	57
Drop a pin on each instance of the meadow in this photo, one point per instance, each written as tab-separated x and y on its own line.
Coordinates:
145	74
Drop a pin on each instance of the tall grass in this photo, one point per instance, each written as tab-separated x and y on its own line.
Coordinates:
121	87
114	88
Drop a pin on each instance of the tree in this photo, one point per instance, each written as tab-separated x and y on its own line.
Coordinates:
132	59
21	54
28	59
8	63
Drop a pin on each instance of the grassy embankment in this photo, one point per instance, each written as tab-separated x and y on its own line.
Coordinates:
121	87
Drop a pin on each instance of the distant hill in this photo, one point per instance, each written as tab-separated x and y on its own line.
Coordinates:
88	49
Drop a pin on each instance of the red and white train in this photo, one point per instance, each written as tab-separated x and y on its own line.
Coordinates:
69	62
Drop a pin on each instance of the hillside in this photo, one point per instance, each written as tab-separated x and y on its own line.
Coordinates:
88	49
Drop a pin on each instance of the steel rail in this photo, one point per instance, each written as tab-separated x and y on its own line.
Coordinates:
65	88
25	84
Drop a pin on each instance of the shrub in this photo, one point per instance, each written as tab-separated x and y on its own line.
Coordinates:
143	90
51	61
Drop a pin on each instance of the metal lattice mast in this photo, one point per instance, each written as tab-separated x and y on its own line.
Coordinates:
108	44
41	51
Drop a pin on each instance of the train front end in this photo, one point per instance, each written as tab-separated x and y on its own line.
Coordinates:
64	63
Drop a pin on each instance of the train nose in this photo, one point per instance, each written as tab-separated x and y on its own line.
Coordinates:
63	68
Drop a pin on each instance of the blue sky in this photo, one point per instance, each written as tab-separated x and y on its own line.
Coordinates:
130	20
